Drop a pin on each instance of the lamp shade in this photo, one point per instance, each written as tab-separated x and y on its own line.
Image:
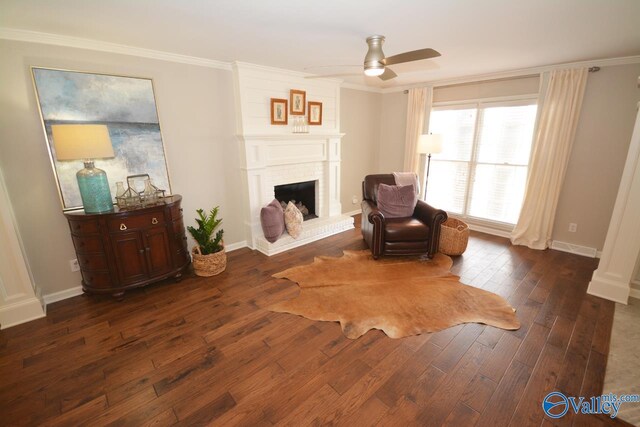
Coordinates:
430	144
73	142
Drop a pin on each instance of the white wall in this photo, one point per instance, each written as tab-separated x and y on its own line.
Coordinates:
256	85
360	114
196	110
598	155
393	125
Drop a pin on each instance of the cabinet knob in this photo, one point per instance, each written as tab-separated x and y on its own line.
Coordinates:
123	226
147	249
154	221
141	251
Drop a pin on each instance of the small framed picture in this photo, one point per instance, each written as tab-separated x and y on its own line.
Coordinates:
298	100
279	114
315	113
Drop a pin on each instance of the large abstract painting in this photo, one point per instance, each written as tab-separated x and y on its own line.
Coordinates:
126	105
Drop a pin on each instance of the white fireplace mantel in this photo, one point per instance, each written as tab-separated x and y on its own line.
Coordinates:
273	155
271	160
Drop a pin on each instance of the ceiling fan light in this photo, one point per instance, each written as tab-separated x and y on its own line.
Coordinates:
373	72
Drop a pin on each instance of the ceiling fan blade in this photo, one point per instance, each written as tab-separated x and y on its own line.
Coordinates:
328	76
314	67
414	55
387	75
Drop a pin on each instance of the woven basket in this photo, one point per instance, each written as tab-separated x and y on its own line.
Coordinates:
208	265
454	236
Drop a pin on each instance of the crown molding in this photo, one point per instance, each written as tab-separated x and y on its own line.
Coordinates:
521	72
90	44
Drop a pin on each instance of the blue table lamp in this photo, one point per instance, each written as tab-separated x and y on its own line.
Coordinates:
87	142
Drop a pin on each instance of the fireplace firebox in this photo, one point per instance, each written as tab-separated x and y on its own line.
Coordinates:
302	194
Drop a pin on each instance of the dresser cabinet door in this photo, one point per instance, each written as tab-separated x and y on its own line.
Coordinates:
157	250
130	253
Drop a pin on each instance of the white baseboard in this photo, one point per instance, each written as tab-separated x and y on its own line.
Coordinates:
235	246
352	213
575	249
59	296
489	230
608	286
635	289
20	312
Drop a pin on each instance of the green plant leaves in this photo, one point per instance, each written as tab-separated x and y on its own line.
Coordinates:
203	235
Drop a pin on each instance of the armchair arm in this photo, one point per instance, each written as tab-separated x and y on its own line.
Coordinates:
433	218
371	212
372	226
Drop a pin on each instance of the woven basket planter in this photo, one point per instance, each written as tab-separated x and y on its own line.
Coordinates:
454	236
208	265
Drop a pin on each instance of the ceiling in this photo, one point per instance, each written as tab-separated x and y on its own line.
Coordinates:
474	37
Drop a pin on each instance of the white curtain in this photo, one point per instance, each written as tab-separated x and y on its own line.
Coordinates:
418	109
552	146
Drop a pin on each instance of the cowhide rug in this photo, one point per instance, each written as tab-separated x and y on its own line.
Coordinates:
400	296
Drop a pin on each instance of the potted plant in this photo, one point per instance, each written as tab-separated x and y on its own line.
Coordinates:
209	257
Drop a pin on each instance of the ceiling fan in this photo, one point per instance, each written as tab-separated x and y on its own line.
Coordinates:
376	63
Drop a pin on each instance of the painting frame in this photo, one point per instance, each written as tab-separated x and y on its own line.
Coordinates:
297	102
315	113
131	138
279	111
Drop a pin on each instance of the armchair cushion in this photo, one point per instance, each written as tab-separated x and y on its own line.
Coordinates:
396	201
405	230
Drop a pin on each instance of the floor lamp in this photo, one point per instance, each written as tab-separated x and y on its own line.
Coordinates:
429	144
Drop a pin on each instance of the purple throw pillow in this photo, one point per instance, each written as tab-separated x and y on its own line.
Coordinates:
397	201
272	221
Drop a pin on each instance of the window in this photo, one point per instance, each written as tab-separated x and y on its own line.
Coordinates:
482	170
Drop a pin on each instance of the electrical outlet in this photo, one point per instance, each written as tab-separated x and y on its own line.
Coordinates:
354	200
73	263
573	227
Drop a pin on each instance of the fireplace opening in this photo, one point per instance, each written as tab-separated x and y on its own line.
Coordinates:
302	194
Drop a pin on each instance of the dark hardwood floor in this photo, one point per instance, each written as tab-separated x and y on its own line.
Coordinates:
205	351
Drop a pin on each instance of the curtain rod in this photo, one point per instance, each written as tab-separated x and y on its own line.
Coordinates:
591	70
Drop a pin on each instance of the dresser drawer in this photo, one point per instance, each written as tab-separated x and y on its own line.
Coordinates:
134	222
92	261
84	227
97	279
176	211
181	258
88	243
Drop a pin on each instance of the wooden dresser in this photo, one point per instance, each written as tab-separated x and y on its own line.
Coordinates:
125	249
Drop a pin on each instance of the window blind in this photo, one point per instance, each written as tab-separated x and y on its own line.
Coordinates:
482	170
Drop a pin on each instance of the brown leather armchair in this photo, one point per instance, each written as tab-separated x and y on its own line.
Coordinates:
415	235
